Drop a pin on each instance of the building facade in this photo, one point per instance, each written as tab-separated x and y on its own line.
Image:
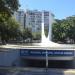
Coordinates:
20	17
32	19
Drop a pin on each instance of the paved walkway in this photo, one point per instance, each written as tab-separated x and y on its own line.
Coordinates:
35	71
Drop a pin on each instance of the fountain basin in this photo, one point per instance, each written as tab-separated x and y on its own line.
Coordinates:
63	52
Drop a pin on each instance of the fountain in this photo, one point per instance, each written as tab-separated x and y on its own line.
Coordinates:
46	41
54	51
46	50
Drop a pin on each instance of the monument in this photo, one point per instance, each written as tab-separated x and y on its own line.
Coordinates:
46	41
53	51
47	48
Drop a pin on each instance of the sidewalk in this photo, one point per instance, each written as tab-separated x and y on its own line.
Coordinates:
36	71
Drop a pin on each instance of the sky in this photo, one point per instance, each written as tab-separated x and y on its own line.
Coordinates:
60	8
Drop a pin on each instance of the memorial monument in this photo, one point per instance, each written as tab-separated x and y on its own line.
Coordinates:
47	48
46	41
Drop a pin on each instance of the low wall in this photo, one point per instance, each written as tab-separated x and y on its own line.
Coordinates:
12	57
9	57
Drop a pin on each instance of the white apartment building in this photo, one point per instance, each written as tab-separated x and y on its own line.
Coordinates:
32	19
20	17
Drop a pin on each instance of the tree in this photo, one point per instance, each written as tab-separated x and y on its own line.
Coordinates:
71	30
27	34
57	31
36	35
8	6
64	30
13	28
3	28
9	29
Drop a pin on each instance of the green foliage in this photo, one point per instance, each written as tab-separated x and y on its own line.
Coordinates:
8	26
9	29
64	30
27	34
37	35
13	28
56	30
8	6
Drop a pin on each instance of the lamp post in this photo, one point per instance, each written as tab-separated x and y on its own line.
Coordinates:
46	60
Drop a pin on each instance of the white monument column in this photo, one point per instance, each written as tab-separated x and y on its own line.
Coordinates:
42	24
42	28
46	41
50	26
44	38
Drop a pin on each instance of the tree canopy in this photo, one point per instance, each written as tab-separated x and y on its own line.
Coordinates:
8	26
26	34
8	6
9	29
64	30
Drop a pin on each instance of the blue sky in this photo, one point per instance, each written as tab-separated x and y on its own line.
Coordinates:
60	8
